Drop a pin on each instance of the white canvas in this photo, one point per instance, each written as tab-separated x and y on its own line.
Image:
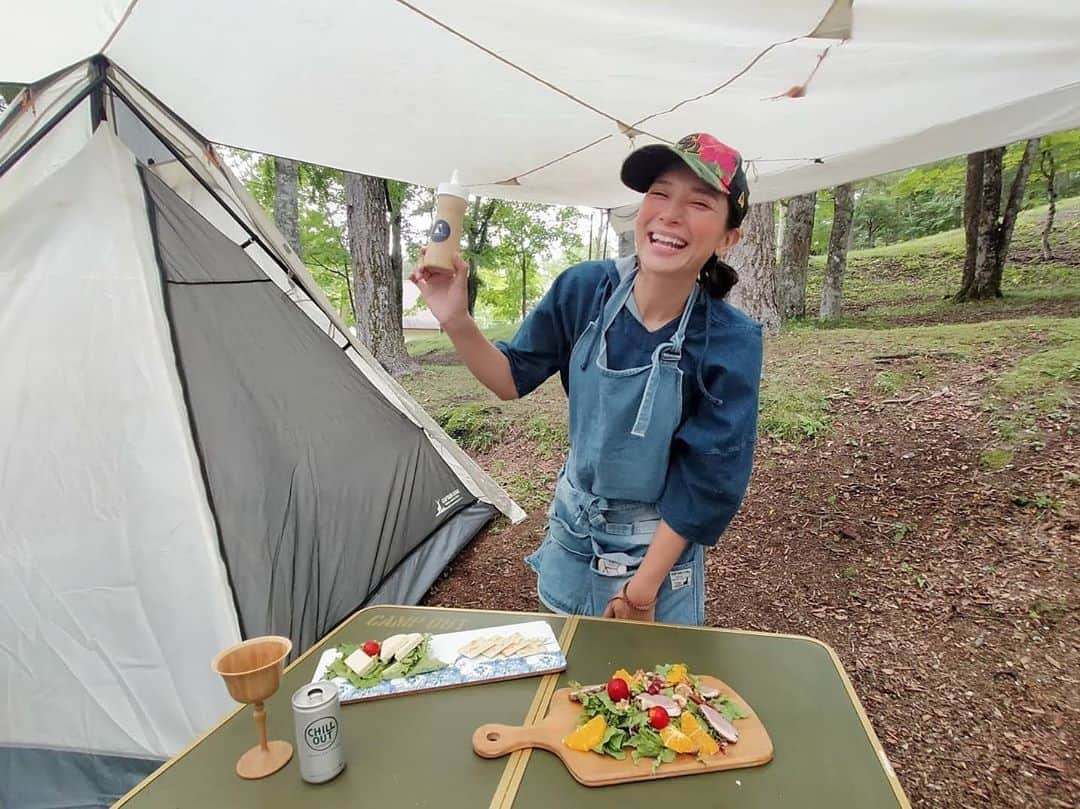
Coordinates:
505	91
115	594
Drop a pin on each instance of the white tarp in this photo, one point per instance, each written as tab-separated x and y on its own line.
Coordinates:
115	593
506	91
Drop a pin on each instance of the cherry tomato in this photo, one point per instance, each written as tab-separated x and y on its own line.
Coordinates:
658	717
371	648
617	689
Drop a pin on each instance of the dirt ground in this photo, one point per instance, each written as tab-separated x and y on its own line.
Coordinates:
948	591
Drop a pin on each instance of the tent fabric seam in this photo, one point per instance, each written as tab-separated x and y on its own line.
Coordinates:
151	214
218	283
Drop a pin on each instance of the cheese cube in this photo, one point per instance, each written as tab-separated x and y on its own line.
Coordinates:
360	662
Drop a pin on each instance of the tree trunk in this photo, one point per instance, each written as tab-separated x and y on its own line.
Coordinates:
524	281
1012	209
1046	166
476	241
839	241
397	265
626	244
754	258
972	209
286	204
986	239
795	255
375	288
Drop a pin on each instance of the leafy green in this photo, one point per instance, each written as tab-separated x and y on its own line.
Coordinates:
648	744
339	669
628	726
613	743
416	662
728	708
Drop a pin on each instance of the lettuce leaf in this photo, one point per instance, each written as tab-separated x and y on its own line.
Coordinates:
338	668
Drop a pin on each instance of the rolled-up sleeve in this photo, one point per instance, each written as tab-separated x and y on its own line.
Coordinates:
712	451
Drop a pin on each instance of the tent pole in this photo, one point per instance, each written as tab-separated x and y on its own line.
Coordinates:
252	235
98	65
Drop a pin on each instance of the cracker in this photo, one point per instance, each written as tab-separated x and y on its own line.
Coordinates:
535	647
514	649
500	650
473	647
493	642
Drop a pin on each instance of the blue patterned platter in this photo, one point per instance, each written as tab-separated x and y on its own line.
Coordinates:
462	670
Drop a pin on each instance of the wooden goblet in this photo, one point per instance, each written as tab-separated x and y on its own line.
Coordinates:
252	673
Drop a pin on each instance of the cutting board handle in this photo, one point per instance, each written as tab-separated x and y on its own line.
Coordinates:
493	741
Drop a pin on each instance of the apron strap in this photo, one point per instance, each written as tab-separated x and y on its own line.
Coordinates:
611	311
669	353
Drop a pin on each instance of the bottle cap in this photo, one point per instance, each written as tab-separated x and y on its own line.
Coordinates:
453	188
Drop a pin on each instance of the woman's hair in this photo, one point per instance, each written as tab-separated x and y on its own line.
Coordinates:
718	277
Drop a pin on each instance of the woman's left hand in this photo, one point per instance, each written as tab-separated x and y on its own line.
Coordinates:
620	607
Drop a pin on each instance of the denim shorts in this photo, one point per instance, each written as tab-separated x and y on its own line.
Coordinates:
594	546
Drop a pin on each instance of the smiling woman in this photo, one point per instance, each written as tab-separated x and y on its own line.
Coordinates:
662	377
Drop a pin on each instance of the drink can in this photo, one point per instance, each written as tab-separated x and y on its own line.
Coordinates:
317	716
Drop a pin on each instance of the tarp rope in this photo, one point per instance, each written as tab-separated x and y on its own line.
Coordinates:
630	130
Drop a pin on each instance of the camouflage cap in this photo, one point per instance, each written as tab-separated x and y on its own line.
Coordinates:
718	164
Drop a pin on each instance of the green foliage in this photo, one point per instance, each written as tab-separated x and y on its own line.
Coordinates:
1048	611
474	426
889	381
1041	501
550	436
900	530
1043	377
791	413
928	199
994	460
530	243
327	257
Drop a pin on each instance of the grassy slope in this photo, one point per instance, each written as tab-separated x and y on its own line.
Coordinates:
915	278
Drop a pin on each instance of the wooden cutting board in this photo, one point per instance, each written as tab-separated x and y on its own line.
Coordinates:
593	770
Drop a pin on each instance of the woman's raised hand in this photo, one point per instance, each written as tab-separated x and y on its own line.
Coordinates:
445	293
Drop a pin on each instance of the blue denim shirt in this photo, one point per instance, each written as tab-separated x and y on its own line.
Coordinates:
713	447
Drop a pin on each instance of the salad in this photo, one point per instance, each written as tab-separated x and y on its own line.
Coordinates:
365	665
656	714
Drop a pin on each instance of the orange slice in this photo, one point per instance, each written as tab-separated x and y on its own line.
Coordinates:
623	674
587	736
677	674
675	739
706	744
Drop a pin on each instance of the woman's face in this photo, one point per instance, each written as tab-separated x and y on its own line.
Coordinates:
681	223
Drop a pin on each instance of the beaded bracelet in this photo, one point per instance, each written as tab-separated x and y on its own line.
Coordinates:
638	607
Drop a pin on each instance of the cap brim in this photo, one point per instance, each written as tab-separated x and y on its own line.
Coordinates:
644	165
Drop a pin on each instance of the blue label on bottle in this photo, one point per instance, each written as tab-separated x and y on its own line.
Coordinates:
440	231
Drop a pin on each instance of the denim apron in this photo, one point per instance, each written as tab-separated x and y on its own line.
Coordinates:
622	423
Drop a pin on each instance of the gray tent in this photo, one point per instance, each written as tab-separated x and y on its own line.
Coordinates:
195	448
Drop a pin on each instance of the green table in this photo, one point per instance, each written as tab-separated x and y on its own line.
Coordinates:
415	751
